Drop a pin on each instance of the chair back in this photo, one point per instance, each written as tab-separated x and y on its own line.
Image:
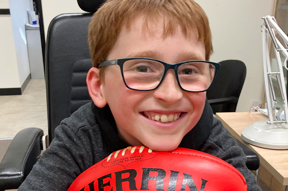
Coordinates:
224	93
67	62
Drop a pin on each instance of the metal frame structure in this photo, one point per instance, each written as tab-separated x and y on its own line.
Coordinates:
273	133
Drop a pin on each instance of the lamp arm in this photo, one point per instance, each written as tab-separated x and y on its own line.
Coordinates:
269	30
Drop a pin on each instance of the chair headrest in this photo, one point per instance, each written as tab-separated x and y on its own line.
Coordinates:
90	5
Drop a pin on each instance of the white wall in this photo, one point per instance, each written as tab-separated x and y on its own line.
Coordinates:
18	10
52	8
14	61
236	31
8	60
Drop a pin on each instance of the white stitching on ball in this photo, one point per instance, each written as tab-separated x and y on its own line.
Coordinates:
123	152
141	149
133	149
116	154
109	157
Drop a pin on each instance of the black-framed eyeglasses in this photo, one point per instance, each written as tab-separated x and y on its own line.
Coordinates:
145	74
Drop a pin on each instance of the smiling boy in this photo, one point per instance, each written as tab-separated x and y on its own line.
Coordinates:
133	110
148	86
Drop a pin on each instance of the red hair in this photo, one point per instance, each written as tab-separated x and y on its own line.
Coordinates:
108	21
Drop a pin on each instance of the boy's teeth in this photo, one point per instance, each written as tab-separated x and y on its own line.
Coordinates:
171	117
165	118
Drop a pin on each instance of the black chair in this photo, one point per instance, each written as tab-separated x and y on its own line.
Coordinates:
67	62
223	96
225	91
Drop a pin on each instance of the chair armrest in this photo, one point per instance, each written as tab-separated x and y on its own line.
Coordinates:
231	99
20	157
253	161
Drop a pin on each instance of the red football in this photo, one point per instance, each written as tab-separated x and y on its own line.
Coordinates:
139	168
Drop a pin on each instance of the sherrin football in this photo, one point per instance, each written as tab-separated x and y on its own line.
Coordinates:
139	168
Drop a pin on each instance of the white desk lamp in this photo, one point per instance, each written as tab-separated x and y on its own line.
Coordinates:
272	134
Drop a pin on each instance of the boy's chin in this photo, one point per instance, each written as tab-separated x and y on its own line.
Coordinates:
163	147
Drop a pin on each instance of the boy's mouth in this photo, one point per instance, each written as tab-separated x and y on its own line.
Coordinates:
163	118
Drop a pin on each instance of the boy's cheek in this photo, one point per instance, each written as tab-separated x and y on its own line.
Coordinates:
197	99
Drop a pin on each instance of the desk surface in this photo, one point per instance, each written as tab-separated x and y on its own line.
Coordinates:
275	161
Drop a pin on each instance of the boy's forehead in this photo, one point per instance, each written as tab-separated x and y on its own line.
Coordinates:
157	26
151	31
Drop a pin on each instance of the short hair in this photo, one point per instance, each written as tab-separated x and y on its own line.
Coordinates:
109	19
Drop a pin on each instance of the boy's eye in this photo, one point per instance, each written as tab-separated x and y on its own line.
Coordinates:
187	71
142	69
142	66
190	68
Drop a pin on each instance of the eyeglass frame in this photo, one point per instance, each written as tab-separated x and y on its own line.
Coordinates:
167	67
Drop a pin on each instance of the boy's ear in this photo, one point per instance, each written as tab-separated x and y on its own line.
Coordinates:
95	87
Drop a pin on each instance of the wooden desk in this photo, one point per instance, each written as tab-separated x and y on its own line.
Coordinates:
274	163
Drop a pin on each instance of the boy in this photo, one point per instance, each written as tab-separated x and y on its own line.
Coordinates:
139	99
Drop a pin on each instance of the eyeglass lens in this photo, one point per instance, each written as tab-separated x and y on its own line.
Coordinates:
142	74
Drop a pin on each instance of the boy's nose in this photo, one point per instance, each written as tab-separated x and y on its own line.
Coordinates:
169	90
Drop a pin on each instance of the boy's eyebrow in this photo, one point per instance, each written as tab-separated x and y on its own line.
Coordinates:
147	54
190	56
152	54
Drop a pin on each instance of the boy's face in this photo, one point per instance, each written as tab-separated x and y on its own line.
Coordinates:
133	110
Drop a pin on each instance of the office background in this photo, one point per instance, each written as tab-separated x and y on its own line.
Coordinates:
236	30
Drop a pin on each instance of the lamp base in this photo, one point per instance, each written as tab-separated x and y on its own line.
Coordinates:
263	134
